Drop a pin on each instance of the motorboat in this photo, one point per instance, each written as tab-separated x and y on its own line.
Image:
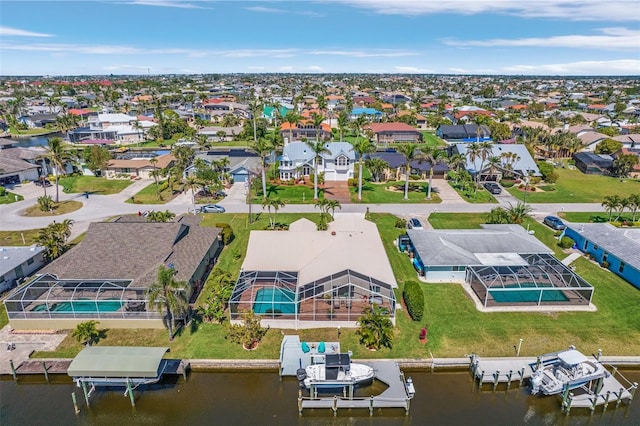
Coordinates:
335	371
554	372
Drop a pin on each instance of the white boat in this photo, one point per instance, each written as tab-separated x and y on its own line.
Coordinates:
554	372
336	371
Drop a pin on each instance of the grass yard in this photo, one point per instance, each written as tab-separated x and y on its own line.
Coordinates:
149	195
431	139
573	186
14	238
10	197
290	194
480	196
93	185
377	193
596	217
63	207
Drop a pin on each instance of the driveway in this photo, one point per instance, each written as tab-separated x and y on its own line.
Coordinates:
446	192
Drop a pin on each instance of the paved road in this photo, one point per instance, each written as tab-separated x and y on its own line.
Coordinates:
101	207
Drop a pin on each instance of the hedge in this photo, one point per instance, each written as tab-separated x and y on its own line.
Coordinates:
414	299
566	242
226	232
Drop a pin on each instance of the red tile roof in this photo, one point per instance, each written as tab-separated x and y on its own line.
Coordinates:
391	127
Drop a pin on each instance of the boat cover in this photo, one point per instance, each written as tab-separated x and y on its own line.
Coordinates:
572	357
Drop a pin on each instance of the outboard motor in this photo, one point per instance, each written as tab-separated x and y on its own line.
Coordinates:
301	374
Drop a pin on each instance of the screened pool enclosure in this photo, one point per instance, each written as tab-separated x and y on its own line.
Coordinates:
50	297
544	281
338	297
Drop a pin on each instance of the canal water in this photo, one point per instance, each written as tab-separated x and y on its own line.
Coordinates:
256	398
35	140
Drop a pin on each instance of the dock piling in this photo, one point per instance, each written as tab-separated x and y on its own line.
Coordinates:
496	377
521	376
46	373
84	390
633	391
335	405
509	379
570	400
300	402
619	397
130	391
13	370
606	400
75	402
184	370
371	406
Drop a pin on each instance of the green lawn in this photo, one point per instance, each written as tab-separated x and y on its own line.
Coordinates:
457	220
14	238
480	196
149	195
378	193
92	184
573	186
31	132
431	139
10	197
596	217
290	194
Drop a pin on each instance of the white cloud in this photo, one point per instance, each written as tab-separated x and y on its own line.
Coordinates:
286	68
574	10
610	39
16	32
456	70
255	68
364	54
167	3
412	70
615	67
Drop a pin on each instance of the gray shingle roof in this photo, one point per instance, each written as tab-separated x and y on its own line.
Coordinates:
622	243
525	164
301	152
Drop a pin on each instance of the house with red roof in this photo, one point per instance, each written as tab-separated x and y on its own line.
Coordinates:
394	132
304	129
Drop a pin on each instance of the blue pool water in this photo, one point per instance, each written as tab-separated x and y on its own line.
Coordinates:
528	295
274	300
84	306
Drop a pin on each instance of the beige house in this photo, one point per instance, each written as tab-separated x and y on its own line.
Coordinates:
137	167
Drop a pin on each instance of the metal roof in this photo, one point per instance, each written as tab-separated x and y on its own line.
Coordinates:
117	361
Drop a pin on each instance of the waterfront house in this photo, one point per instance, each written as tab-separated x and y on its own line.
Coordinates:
593	164
386	133
463	133
396	165
297	161
514	158
17	263
19	164
305	278
129	166
617	249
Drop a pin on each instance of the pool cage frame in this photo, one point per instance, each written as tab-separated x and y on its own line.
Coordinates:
543	273
39	299
337	297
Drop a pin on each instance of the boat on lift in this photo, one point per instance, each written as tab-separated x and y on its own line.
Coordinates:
553	372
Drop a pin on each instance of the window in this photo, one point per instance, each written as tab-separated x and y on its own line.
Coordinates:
595	247
30	261
621	267
342	161
604	257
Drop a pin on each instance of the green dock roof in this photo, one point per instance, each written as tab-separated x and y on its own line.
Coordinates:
117	361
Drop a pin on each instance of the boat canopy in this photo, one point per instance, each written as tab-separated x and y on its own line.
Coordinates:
337	360
572	357
117	362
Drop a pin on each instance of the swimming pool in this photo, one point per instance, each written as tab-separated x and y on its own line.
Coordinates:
274	300
81	306
528	295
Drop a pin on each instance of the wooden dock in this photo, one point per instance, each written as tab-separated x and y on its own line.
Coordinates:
600	393
500	370
395	396
38	366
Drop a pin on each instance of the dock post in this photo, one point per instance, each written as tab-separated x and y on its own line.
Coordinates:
619	397
184	370
633	391
599	354
606	400
130	391
521	376
84	390
565	396
593	404
344	391
615	370
496	377
371	406
46	373
480	379
351	391
569	403
299	402
335	406
538	362
75	402
509	379
406	409
13	370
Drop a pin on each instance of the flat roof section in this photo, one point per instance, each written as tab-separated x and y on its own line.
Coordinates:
117	361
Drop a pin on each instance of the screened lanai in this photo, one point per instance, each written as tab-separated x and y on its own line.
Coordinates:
337	297
543	281
48	297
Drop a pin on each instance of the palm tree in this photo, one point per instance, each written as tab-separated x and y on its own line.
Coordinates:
139	130
194	184
254	107
332	205
494	164
54	238
86	332
376	329
518	213
155	174
633	201
611	203
274	203
362	147
486	151
343	122
293	119
473	152
410	152
433	156
263	148
318	148
168	295
622	205
457	162
376	166
57	156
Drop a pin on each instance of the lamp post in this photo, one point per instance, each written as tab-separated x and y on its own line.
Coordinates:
526	188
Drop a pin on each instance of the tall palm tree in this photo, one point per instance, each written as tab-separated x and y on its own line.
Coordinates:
634	204
376	166
254	107
343	122
457	162
168	295
410	152
194	184
263	148
57	156
293	119
333	205
276	204
611	203
362	147
519	212
318	148
433	156
486	151
473	152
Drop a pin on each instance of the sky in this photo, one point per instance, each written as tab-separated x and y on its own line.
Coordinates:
512	37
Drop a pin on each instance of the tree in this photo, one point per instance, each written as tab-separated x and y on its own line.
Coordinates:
165	216
54	238
168	296
362	147
633	202
519	212
332	205
248	334
194	184
624	164
263	148
611	203
276	204
498	215
457	162
410	152
293	119
376	166
184	154
86	332
343	122
155	174
433	156
608	146
97	158
318	148
45	202
376	329
57	157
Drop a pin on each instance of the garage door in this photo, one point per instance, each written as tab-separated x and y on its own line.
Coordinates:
239	177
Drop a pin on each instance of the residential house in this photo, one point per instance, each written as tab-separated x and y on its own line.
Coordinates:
617	249
394	132
463	133
17	263
635	172
593	164
370	114
305	278
297	161
241	164
304	129
220	134
107	275
514	158
396	165
39	120
122	128
129	166
420	120
19	164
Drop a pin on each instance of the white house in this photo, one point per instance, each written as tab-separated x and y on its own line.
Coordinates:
336	164
118	127
17	263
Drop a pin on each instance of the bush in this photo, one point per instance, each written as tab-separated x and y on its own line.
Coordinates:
545	168
352	182
507	183
551	177
226	232
414	299
415	177
566	242
401	223
3	191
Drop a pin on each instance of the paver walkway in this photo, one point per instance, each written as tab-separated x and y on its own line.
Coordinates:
338	190
25	344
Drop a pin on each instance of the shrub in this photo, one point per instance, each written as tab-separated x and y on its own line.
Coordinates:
226	232
414	299
401	223
566	242
535	180
352	182
507	183
552	177
3	191
545	168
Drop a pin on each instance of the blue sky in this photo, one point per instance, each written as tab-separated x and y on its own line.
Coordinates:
531	37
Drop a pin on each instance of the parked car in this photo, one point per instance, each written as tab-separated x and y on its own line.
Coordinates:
414	223
43	182
493	187
212	208
554	223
